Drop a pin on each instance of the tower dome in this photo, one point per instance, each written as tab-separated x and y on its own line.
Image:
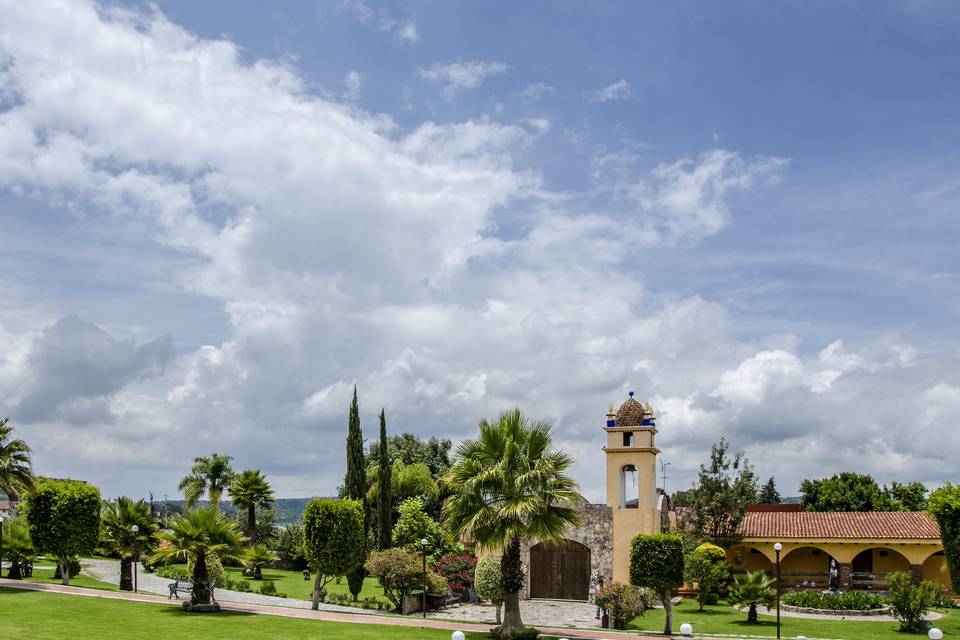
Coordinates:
633	414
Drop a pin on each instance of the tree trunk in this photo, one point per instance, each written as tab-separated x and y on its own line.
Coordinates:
317	586
14	573
511	579
66	572
667	612
257	573
499	609
126	574
201	581
251	522
752	614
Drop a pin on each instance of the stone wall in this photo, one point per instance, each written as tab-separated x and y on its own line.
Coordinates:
595	531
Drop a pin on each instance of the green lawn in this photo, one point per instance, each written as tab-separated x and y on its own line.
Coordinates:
293	584
46	575
724	620
47	616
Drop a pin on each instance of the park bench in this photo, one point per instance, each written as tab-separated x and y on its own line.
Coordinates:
185	587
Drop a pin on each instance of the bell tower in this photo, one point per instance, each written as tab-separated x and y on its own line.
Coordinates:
631	456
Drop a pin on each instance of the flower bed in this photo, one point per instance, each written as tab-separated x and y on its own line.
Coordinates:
847	603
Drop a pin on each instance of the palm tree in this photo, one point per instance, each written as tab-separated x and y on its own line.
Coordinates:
259	556
16	474
17	546
510	485
248	490
209	474
196	536
751	590
117	520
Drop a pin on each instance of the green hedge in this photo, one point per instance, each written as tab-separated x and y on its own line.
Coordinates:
849	601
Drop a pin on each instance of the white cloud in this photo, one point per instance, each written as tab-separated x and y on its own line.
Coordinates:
619	90
352	85
344	252
404	31
461	75
535	92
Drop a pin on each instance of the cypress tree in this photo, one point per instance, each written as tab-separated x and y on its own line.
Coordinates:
385	493
355	486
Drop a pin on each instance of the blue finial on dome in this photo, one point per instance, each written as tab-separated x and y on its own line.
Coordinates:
630	394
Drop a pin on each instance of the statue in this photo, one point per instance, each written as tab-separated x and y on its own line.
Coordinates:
834	576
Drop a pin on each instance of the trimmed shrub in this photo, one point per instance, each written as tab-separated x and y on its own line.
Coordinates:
267	588
911	602
174	572
400	572
656	562
707	567
622	602
458	570
847	601
242	586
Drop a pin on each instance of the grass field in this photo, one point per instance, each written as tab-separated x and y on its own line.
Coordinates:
46	575
47	616
293	584
724	620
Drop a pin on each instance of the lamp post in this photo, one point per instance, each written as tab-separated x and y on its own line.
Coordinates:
777	549
135	529
423	543
1	547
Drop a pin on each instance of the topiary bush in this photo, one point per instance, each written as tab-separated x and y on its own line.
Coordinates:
706	566
267	588
242	586
486	581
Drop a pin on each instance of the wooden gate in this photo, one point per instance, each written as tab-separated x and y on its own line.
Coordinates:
560	571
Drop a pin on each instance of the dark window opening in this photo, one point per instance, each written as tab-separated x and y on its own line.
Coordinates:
628	438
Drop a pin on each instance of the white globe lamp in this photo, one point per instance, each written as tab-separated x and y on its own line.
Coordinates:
935	634
686	629
457	635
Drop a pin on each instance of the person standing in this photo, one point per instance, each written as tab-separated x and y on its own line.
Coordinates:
597	590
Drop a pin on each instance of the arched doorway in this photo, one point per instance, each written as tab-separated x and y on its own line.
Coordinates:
560	571
806	568
935	569
870	568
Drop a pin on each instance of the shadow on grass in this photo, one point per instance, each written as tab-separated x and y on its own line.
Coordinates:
177	611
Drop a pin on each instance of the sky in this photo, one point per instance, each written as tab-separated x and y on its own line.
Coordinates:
216	219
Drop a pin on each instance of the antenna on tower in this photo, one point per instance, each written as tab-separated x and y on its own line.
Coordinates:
663	474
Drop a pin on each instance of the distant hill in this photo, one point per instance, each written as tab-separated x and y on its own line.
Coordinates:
289	510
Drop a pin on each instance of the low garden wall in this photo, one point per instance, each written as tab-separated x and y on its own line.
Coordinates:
884	611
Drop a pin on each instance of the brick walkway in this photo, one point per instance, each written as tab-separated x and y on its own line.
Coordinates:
398	621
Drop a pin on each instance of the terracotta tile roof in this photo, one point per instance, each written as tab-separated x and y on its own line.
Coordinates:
804	524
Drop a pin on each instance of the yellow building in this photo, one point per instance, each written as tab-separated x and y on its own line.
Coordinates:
866	547
631	457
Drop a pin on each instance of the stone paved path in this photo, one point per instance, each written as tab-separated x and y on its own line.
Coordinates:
554	613
332	616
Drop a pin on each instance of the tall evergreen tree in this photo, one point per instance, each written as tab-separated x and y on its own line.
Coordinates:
769	493
384	481
355	485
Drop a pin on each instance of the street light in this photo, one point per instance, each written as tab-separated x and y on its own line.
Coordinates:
423	543
778	548
135	530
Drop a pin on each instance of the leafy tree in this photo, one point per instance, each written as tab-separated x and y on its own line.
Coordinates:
17	547
333	540
622	602
355	485
409	449
944	506
16	473
847	491
288	545
751	590
486	581
906	497
415	525
258	557
720	498
64	519
707	566
682	498
510	485
656	562
209	475
248	490
769	493
384	496
117	520
267	524
200	537
910	602
400	572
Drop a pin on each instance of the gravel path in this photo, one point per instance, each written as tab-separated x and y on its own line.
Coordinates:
539	613
109	571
